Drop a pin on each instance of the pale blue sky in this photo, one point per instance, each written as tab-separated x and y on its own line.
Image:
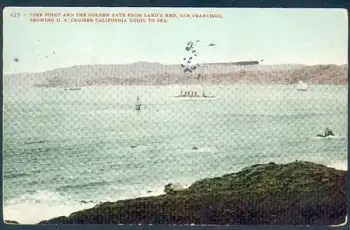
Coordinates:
305	36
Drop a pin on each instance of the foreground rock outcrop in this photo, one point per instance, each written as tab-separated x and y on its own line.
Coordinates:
327	133
298	193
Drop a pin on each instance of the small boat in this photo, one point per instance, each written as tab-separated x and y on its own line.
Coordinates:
302	86
138	104
73	88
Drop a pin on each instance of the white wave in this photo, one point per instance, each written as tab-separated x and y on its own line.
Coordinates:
38	196
340	165
329	137
127	194
32	208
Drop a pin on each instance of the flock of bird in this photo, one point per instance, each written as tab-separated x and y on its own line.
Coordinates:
188	66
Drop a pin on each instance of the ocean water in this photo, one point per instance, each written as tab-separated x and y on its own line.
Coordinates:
64	147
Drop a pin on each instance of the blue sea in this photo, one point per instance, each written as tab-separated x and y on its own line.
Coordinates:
68	150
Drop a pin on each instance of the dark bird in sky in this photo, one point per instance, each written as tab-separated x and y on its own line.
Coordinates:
261	60
16	59
182	65
184	59
211	44
197	41
199	75
53	52
187	70
188	48
190	45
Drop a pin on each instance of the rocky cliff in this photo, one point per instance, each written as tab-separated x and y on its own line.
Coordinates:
297	193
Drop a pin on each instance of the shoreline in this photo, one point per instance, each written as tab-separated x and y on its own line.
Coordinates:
295	65
234	187
158	74
147	192
294	86
201	84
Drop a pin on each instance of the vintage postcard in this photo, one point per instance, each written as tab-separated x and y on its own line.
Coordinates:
185	116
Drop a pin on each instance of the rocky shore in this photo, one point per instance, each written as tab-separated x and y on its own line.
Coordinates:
297	193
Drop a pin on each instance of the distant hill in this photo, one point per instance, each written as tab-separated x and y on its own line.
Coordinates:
148	73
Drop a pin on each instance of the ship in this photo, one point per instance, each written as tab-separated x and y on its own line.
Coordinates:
192	94
302	86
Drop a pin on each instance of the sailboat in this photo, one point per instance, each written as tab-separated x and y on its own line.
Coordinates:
302	86
138	104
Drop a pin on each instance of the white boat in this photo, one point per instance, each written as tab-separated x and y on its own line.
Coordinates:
138	103
73	88
302	86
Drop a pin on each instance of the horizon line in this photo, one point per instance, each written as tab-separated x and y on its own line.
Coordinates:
156	62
